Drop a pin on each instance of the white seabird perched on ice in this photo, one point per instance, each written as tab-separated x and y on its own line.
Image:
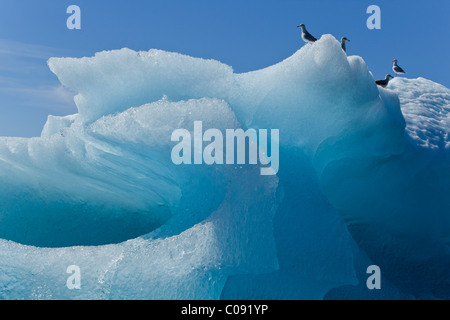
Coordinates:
397	69
385	82
306	36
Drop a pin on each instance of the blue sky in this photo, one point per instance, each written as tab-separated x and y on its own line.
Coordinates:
246	34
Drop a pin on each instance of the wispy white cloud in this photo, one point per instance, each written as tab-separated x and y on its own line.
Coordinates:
25	80
49	98
25	50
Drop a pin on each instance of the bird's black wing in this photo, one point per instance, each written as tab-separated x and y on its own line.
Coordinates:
400	70
309	36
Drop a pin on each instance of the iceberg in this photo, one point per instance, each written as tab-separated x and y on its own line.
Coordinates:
363	179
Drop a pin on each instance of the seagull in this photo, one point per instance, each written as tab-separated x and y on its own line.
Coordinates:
306	36
397	69
343	43
385	82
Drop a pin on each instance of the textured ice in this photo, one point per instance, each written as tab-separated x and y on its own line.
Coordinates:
213	224
360	183
426	106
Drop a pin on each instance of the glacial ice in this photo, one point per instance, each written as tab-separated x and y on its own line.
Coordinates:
363	179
